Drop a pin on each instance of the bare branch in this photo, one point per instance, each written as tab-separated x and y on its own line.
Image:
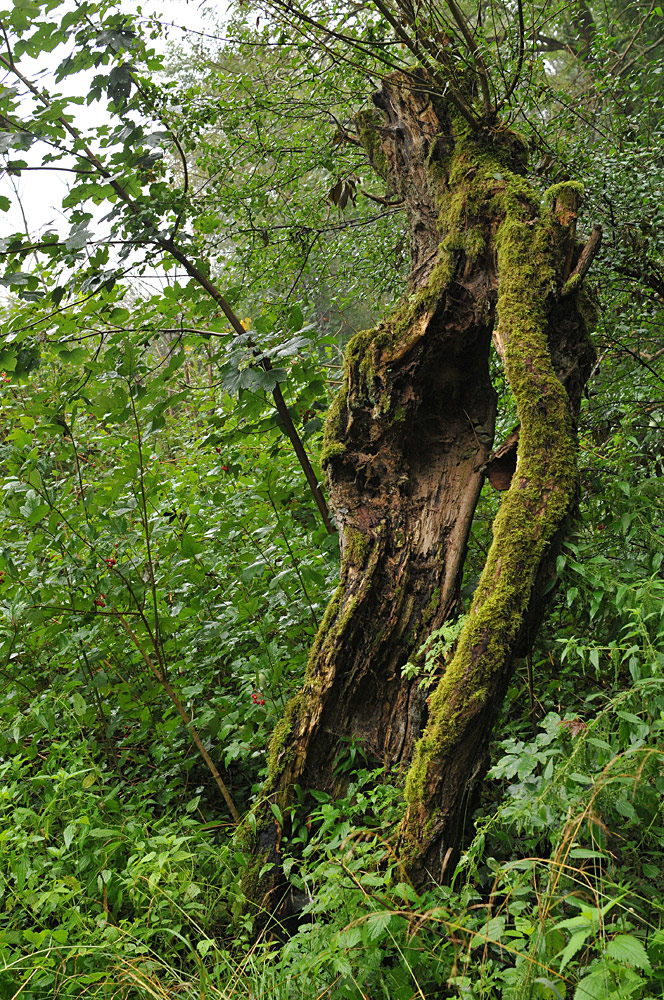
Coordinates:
588	254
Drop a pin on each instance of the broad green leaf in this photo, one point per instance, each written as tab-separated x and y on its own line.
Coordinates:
378	923
80	704
550	986
69	833
190	547
629	950
596	986
349	938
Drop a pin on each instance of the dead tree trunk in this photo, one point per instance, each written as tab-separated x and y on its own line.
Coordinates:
406	444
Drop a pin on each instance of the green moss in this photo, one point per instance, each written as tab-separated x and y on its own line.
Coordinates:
520	199
572	284
471	241
334	623
335	427
466	184
331	612
568	193
408	323
356	546
278	756
254	887
475	244
431	607
358	345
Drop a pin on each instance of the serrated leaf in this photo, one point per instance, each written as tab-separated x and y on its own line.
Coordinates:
73	357
33	510
574	945
190	547
289	347
596	986
7	361
118	316
119	83
378	924
627	949
16	278
78	237
350	937
582	779
294	318
626	809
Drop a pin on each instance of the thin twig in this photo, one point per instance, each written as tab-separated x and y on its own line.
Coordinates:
482	72
194	272
185	718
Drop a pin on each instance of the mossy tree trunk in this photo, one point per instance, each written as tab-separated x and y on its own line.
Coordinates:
541	338
406	445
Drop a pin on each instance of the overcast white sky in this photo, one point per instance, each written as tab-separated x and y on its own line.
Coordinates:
41	192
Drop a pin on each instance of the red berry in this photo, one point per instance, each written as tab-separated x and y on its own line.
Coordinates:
224	468
262	701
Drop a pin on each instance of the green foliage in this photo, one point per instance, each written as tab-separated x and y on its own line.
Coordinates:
159	554
435	652
158	557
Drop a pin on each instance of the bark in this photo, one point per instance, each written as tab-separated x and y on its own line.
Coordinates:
406	444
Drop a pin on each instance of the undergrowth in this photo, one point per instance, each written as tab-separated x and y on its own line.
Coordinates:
155	618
